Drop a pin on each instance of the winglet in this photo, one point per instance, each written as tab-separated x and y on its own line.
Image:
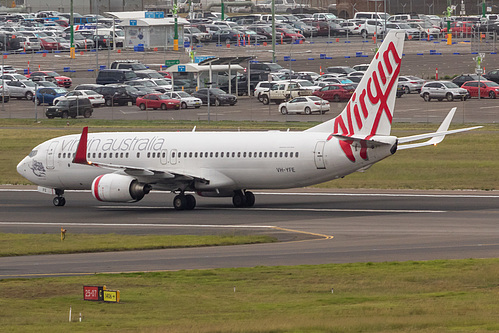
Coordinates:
81	151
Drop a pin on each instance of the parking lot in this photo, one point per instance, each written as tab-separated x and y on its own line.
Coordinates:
421	58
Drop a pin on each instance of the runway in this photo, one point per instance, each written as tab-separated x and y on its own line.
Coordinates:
313	226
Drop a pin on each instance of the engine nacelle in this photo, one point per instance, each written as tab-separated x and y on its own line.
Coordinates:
118	188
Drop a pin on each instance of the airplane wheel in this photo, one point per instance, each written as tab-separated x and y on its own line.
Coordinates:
250	199
180	202
190	202
59	201
239	199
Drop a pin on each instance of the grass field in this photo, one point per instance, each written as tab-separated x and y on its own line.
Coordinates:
434	296
462	161
32	244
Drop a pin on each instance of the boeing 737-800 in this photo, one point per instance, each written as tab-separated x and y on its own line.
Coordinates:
124	167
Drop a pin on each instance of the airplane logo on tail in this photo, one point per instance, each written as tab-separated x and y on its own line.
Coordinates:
364	112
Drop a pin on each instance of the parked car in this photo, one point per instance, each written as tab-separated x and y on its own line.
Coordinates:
411	83
70	108
14	77
304	104
111	76
340	70
62	81
290	36
120	94
87	86
492	75
186	100
46	95
95	98
4	92
217	96
47	84
157	101
488	89
335	92
7	69
459	80
50	43
21	89
443	89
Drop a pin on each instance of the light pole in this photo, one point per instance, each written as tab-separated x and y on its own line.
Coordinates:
175	27
273	31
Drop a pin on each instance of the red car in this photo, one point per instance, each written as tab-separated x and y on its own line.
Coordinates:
487	88
168	75
157	101
335	92
49	43
290	36
61	81
459	28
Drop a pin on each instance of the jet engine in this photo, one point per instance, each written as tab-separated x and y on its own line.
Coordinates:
118	188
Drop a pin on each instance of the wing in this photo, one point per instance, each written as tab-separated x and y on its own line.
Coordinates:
163	179
435	137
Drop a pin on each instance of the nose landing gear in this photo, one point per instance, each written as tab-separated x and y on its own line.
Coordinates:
59	200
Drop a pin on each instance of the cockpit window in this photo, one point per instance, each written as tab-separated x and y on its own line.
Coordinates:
33	153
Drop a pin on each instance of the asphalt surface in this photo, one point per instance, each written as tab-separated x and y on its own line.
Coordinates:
314	227
321	227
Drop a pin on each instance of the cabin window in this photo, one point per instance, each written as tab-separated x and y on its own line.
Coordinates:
286	154
195	155
280	154
265	155
216	154
138	155
190	154
148	155
244	154
211	155
239	154
59	155
222	154
260	154
296	154
100	155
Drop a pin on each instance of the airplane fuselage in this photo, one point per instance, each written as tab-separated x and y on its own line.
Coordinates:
229	160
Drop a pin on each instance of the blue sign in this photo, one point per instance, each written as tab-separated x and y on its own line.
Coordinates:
181	68
155	14
133	22
198	59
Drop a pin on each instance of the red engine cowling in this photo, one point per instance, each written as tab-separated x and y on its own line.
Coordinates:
118	188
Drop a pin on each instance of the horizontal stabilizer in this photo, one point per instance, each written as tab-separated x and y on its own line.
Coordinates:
435	137
375	141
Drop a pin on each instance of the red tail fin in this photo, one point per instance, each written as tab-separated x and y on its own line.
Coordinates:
81	151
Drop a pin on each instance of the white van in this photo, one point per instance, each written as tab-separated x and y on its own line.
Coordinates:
119	35
371	16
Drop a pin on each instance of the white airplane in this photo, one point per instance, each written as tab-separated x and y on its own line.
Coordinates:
125	166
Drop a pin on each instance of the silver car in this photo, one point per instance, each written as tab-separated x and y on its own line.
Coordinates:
411	83
443	90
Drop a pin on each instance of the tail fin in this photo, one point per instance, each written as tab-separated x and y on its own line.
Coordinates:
370	109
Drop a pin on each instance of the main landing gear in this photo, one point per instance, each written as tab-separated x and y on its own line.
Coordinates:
243	199
184	202
59	200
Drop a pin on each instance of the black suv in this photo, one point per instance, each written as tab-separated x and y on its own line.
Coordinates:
70	108
217	96
108	76
120	94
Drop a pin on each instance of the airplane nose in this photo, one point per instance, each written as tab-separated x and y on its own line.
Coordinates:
21	167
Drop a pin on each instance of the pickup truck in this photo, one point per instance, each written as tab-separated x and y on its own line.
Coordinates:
282	91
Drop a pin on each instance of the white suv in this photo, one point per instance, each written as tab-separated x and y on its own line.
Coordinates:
371	27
